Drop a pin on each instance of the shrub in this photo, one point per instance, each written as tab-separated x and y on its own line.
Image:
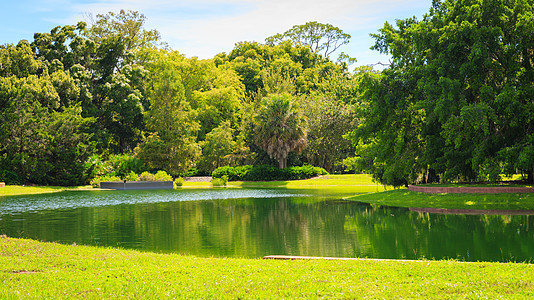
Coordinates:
162	176
304	172
220	181
132	177
147	176
95	182
264	173
233	173
191	172
10	177
178	182
116	164
268	173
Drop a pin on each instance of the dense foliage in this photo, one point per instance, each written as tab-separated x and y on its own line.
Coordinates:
110	98
266	172
457	103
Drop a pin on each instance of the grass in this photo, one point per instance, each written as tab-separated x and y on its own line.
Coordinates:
31	269
348	183
13	190
405	198
357	183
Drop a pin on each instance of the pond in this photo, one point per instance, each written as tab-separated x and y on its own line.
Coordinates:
257	222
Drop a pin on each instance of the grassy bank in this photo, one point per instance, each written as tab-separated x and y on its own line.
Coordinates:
13	190
348	183
405	198
30	269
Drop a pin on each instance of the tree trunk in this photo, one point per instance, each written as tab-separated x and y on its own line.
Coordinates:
282	163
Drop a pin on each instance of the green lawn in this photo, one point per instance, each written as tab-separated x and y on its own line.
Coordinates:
31	269
12	190
347	184
405	198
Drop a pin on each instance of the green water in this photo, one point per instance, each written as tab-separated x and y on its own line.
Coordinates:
257	222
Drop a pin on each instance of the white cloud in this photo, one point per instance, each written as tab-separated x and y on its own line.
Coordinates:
206	27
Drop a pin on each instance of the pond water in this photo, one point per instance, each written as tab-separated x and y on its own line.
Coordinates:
257	222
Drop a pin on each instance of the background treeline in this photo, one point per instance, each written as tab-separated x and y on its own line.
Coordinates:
110	98
456	103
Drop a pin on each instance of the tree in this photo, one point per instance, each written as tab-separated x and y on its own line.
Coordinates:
44	138
456	103
172	145
103	61
253	61
121	108
328	121
217	148
280	127
219	99
126	24
317	36
65	44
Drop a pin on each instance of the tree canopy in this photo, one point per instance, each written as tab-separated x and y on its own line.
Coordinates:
280	127
457	101
317	36
456	104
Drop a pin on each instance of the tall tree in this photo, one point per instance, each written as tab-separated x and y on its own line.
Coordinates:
280	127
317	36
126	24
217	148
457	101
253	61
328	121
171	145
44	138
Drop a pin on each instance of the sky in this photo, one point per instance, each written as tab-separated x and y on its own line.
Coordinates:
204	28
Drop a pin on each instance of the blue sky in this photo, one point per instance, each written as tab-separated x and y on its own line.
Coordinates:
204	28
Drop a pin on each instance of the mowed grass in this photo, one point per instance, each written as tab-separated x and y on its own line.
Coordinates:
347	183
13	190
355	183
31	269
405	198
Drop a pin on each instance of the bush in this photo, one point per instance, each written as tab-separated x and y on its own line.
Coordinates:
191	172
179	182
220	181
116	164
95	182
162	176
10	177
132	177
233	173
147	176
304	172
268	173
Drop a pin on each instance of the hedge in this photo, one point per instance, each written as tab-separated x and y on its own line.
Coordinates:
267	173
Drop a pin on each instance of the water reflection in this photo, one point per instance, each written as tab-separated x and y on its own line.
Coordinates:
254	223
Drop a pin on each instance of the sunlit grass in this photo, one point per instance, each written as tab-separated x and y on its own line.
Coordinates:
30	270
12	190
405	198
347	183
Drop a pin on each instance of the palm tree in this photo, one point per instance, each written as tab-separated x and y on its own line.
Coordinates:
280	128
